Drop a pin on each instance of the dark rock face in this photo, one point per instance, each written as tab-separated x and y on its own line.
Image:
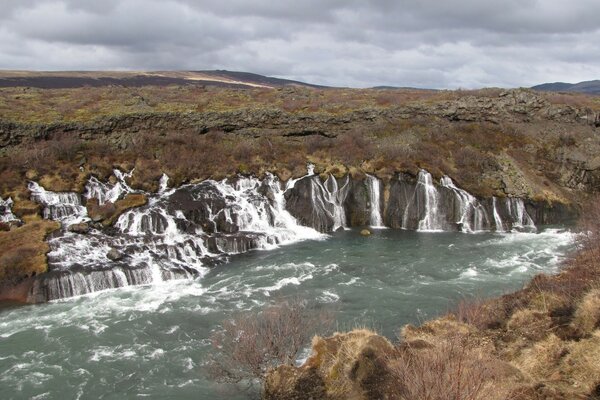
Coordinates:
545	213
401	193
114	255
80	228
415	204
305	201
358	203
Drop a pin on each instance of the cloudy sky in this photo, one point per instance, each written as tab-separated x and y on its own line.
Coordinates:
420	43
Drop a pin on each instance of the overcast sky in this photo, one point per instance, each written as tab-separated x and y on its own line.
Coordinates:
420	43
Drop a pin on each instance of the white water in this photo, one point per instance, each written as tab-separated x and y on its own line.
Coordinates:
158	242
65	207
107	192
471	214
497	219
425	203
6	214
521	219
328	198
254	213
375	220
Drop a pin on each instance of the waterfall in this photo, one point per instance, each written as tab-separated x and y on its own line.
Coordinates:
264	213
181	230
373	185
65	207
425	203
6	214
472	217
427	191
521	220
107	192
163	184
59	285
497	219
329	198
172	236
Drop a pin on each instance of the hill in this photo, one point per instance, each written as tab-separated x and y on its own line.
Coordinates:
587	87
77	79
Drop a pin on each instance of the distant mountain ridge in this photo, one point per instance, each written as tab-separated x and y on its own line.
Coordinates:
588	87
74	79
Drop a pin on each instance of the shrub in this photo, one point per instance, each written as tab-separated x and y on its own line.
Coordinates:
250	344
454	368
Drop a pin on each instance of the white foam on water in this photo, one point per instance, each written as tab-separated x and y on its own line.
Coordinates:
352	282
469	273
295	280
328	297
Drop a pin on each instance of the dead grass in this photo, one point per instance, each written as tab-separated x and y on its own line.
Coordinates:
451	368
587	315
23	251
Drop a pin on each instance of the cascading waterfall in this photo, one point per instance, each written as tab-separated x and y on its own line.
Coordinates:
6	214
425	204
497	219
470	214
329	197
65	207
520	218
182	230
164	239
107	192
373	185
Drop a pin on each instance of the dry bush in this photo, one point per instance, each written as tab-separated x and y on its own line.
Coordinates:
354	147
13	264
455	368
23	251
250	344
542	359
529	324
587	314
582	364
65	147
589	224
352	364
480	313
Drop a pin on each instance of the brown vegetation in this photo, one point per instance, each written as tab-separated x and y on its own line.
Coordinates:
108	212
23	252
250	344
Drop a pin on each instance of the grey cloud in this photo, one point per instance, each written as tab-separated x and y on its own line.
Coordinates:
424	43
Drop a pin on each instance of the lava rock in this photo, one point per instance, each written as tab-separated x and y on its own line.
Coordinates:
114	255
81	228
